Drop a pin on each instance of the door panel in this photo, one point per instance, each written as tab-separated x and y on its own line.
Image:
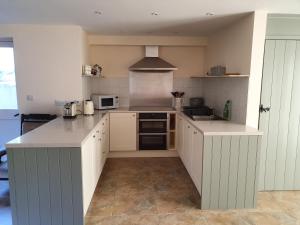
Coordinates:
197	158
280	92
123	132
285	102
277	75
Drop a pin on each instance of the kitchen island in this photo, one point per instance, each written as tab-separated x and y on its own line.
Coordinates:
54	169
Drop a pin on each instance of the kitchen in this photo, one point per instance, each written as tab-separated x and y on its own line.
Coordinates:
67	171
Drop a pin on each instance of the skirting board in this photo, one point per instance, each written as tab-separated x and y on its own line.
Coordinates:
148	153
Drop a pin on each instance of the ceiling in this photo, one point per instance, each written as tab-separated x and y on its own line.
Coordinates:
135	17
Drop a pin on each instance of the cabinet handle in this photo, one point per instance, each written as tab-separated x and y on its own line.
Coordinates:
195	132
94	136
133	115
189	127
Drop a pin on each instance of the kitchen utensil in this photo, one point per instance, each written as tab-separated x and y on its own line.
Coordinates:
177	94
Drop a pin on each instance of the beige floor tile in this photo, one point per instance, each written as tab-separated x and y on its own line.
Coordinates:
224	218
269	218
134	205
159	191
172	202
181	219
138	220
100	220
101	205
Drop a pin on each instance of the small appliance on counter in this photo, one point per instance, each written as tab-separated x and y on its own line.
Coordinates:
88	107
199	111
105	101
70	110
196	101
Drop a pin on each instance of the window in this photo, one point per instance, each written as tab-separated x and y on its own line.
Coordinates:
8	94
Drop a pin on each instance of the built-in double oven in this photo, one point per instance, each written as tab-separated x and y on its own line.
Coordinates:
153	131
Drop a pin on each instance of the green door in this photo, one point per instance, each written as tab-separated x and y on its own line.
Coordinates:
279	116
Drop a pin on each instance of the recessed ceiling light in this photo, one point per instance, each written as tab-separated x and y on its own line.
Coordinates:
209	14
98	12
154	14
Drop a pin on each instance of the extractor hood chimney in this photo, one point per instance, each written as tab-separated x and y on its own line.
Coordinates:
151	62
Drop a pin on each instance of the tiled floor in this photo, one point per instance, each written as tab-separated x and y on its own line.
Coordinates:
159	191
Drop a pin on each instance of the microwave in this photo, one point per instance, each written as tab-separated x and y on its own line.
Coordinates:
105	101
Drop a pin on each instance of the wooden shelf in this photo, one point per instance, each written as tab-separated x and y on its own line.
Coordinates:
223	76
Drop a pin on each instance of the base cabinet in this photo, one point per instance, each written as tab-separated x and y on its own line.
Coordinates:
123	132
94	153
187	146
197	158
223	168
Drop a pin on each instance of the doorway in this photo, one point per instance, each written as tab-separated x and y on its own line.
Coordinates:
280	116
9	122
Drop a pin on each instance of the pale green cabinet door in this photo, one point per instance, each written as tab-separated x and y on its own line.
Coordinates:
280	154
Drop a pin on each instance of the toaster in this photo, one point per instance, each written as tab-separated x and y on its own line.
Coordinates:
70	110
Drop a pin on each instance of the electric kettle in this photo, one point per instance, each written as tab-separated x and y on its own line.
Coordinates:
88	107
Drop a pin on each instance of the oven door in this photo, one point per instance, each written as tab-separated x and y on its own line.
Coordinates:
153	126
153	141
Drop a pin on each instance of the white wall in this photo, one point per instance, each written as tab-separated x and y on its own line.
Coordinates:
230	47
48	63
239	47
218	90
257	58
86	81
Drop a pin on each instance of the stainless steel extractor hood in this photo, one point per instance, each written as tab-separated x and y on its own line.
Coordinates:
151	62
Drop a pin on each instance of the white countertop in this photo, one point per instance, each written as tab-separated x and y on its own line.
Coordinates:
72	132
58	133
221	127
